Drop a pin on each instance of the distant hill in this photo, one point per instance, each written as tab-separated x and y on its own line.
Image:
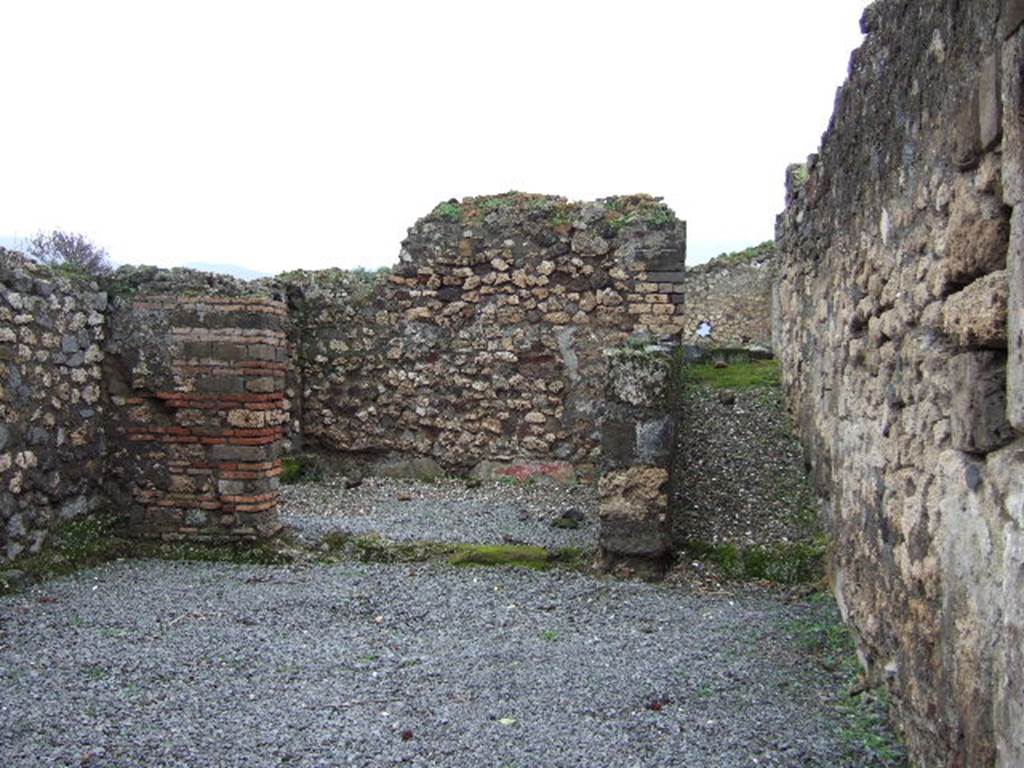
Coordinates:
243	273
14	243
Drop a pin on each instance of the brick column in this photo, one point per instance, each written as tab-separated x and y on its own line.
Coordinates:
204	441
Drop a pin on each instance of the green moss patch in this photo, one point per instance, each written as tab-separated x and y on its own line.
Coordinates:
82	543
782	563
757	373
97	539
376	549
752	255
523	556
270	552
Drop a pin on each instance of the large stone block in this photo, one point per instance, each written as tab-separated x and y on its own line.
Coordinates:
976	247
618	441
978	421
629	440
638	377
1013	124
1005	475
966	134
990	102
243	453
634	512
1015	323
976	316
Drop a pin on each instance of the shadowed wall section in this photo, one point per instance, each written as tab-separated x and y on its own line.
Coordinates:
899	316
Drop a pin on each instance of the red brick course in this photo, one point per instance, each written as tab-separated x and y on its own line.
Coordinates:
206	448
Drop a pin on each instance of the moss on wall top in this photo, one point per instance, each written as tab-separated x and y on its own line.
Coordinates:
616	212
755	255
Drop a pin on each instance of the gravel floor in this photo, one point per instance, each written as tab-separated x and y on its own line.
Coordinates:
448	511
152	663
740	473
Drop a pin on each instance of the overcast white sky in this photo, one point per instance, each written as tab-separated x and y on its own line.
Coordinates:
313	134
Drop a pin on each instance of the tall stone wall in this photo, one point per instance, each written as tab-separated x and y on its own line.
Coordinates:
486	342
52	428
894	300
199	413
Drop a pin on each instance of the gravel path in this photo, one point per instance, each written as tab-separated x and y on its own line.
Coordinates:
448	511
740	473
155	664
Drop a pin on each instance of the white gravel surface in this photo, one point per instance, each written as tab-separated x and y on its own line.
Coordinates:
154	663
446	511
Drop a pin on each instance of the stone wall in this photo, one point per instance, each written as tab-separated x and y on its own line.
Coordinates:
52	428
895	297
482	350
728	301
199	409
638	428
486	342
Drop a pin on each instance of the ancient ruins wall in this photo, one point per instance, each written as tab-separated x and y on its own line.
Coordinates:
728	301
891	322
52	435
482	350
486	342
197	387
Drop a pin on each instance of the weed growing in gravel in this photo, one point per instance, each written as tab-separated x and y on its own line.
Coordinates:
866	730
550	635
300	468
782	563
96	672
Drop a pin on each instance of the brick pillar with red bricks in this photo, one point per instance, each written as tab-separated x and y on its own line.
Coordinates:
203	415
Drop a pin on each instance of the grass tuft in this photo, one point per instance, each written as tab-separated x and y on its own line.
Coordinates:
300	468
782	563
865	716
757	373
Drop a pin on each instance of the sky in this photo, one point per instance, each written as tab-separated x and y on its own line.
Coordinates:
313	134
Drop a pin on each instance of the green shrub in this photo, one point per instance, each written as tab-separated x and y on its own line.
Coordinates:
300	468
448	210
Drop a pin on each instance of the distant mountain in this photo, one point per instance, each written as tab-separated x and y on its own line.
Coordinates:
14	243
243	273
